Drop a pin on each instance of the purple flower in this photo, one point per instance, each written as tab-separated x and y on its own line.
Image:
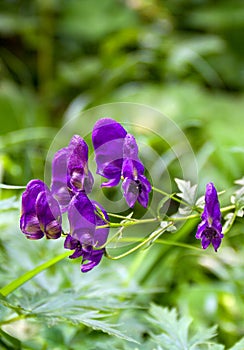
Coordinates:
84	235
209	230
40	213
108	139
70	173
116	154
135	185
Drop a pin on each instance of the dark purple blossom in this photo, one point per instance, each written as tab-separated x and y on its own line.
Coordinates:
135	185
84	235
116	154
70	173
210	229
108	139
40	213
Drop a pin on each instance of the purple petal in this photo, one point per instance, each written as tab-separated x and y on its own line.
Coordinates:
105	130
73	244
132	166
101	234
205	242
82	219
60	178
70	242
80	177
49	215
70	171
200	229
113	182
30	226
33	188
131	191
108	139
130	148
93	259
144	190
29	223
212	202
216	241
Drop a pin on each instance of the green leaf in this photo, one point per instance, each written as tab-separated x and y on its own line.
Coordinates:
188	192
239	345
8	342
173	333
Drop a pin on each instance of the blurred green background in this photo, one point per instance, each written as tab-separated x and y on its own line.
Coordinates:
182	57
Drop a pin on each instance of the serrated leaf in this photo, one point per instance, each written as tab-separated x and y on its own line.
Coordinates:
240	344
173	333
202	336
72	307
188	192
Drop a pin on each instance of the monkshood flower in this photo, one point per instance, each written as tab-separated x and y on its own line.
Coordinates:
84	235
116	154
40	212
210	229
70	173
108	139
136	186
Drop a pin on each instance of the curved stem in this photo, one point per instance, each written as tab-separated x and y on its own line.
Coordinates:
172	196
9	288
230	207
126	223
148	239
164	242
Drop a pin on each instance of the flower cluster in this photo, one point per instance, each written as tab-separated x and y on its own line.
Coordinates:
116	154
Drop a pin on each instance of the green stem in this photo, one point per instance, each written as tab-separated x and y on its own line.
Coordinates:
172	196
148	239
14	319
125	224
230	207
162	241
121	217
11	187
9	288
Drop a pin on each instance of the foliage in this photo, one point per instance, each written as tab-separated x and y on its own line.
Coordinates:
183	58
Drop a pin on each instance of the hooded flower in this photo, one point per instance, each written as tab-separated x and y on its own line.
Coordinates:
70	173
116	154
108	138
210	229
136	186
40	213
84	235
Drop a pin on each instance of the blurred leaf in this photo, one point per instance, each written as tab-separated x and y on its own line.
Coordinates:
173	333
239	345
8	342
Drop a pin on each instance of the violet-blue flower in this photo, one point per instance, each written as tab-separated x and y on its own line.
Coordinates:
116	154
84	234
40	212
108	139
70	173
210	229
135	185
